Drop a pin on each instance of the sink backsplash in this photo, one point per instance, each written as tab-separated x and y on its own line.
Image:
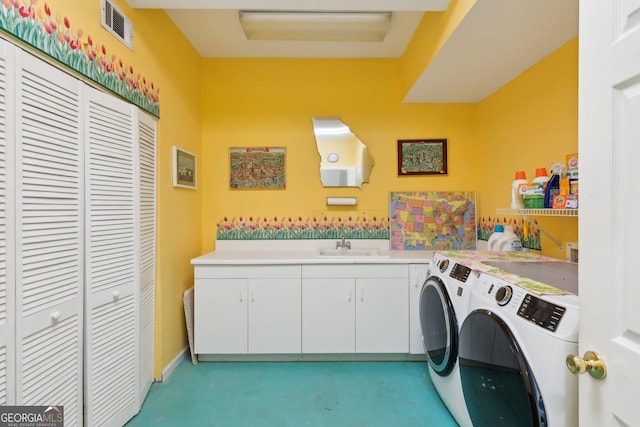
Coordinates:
297	227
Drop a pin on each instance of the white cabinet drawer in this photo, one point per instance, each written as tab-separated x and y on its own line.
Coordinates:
247	272
355	270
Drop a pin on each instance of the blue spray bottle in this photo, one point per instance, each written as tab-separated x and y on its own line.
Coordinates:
553	186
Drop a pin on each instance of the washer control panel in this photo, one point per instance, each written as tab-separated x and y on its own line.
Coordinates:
460	272
542	313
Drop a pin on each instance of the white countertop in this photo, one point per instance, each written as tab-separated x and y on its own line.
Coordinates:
279	252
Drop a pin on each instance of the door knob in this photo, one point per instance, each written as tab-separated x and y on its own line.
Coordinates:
591	363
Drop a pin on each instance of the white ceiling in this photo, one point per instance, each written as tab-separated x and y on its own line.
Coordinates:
495	42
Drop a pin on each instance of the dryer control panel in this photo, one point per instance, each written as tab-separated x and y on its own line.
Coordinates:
460	272
542	313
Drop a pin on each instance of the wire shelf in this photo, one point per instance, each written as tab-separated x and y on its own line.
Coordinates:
538	212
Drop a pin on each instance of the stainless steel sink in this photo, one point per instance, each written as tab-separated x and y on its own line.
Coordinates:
352	253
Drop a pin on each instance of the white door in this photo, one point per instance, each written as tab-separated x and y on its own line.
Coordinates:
609	135
328	315
274	316
112	261
147	129
382	315
48	226
7	228
221	316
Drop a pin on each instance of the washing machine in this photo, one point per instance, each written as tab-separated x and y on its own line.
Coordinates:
513	346
444	302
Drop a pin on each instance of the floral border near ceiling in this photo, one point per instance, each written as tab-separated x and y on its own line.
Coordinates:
54	36
289	228
531	241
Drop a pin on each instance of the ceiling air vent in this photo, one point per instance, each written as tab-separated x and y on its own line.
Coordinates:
116	23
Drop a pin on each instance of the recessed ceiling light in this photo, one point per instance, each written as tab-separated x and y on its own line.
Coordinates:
315	26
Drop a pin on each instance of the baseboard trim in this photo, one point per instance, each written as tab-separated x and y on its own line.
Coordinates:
168	370
312	357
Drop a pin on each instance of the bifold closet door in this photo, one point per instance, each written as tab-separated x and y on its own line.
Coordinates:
7	229
147	132
112	254
48	226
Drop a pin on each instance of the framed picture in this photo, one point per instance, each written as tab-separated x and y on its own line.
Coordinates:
257	168
422	157
184	168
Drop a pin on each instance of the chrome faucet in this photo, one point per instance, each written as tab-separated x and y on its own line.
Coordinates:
343	244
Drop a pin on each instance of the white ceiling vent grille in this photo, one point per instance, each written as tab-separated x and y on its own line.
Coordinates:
116	23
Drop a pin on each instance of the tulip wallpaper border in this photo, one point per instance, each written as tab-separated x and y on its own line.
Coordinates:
292	228
529	235
54	36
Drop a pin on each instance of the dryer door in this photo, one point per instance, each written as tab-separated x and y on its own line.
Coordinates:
498	384
439	326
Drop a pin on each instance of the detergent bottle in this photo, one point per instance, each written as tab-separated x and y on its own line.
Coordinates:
494	239
509	240
516	197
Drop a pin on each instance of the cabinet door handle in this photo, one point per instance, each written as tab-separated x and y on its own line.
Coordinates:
55	316
361	293
253	296
115	295
349	293
241	294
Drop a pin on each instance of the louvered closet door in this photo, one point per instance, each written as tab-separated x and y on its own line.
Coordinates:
48	237
147	181
112	272
7	228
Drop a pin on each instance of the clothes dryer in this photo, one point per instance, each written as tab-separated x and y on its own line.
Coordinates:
513	344
444	302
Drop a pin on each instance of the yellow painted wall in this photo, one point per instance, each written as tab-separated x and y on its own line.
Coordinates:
162	55
209	105
530	122
270	102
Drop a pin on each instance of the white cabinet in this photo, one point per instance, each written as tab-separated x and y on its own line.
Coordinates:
247	309
361	308
417	276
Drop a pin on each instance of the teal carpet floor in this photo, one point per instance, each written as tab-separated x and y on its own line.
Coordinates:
331	394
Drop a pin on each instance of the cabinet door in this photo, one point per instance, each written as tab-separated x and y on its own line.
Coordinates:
417	277
48	251
328	315
220	316
112	260
274	316
382	315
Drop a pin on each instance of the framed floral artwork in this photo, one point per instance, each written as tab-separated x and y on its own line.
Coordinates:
422	157
252	168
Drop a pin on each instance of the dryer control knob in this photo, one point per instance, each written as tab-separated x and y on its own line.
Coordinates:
503	295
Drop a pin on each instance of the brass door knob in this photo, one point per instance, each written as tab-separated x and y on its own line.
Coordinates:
591	363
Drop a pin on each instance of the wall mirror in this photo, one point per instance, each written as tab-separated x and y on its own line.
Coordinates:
344	160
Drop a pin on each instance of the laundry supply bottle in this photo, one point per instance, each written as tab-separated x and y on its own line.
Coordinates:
494	239
509	241
516	198
541	178
553	186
